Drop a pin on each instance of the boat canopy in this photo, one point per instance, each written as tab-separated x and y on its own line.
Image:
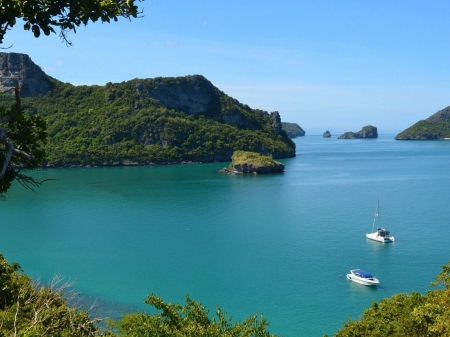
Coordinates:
383	232
363	273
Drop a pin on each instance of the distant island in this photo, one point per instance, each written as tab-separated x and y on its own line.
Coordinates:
326	134
367	131
251	162
293	130
142	121
437	126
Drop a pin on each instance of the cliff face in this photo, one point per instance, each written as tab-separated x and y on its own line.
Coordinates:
194	95
368	131
18	69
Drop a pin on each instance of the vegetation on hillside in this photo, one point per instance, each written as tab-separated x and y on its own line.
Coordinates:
437	126
112	124
28	308
426	130
253	159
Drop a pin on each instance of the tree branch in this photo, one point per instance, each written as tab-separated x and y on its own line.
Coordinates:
23	154
18	108
8	157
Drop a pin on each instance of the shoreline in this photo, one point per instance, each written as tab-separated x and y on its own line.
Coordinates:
117	164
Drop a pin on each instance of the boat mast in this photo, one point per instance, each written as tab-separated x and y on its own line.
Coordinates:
378	213
376	219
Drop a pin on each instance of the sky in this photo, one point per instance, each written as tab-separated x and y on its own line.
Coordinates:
325	65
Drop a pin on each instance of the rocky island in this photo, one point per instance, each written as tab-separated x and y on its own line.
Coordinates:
326	134
368	131
244	162
151	121
437	126
293	129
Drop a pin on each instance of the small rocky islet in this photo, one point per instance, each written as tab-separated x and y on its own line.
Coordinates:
367	131
246	162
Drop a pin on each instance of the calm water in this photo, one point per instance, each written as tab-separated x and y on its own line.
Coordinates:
269	244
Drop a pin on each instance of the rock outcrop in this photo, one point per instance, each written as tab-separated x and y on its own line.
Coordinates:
326	134
191	94
19	70
443	114
368	131
293	129
276	122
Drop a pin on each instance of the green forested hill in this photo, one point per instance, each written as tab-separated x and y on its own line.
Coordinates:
293	129
436	126
157	120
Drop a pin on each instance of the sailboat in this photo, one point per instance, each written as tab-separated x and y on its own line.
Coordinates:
381	234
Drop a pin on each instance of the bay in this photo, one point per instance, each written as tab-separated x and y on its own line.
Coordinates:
280	245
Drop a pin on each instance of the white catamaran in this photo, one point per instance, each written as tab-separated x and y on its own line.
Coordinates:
381	234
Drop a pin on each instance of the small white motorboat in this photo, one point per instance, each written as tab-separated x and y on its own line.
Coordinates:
362	277
381	235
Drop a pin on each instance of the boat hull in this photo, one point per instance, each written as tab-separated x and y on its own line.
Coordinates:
383	239
363	281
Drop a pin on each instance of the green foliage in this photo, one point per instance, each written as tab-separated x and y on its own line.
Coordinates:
443	278
252	158
406	314
117	123
190	320
45	16
427	130
28	133
29	309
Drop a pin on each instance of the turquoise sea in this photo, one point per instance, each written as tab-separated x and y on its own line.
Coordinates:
274	244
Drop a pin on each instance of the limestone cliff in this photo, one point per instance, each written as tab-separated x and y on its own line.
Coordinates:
19	70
